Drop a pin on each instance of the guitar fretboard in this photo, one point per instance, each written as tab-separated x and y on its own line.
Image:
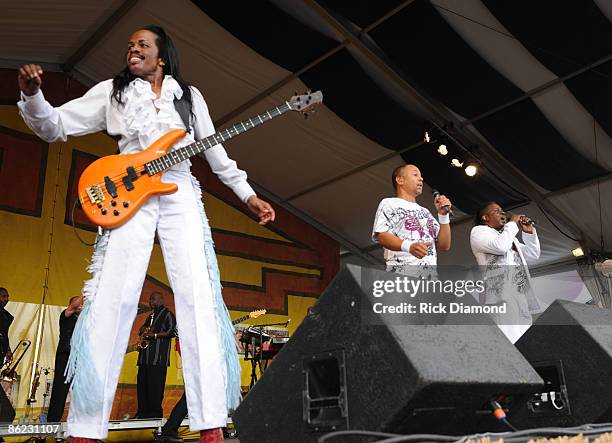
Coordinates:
241	319
179	155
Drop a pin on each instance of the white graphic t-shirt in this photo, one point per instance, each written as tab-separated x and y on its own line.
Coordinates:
408	221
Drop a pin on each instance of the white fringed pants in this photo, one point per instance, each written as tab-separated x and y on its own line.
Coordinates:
113	300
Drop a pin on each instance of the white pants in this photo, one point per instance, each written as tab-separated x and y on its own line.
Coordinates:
178	220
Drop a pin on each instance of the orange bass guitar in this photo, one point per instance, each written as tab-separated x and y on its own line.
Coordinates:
113	188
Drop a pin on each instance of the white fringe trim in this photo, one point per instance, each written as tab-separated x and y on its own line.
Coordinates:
224	322
87	388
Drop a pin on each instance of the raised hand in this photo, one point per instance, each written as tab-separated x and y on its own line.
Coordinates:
525	225
440	202
516	218
29	78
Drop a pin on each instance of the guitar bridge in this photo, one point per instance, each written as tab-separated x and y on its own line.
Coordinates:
95	194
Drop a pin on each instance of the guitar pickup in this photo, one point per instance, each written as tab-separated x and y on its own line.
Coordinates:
131	174
127	183
95	194
110	187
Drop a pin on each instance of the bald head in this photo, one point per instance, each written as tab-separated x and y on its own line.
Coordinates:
156	299
74	299
407	181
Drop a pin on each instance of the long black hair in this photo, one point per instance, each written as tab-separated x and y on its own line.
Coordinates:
483	209
169	54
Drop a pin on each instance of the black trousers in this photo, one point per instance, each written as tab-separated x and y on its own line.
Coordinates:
178	414
60	389
151	382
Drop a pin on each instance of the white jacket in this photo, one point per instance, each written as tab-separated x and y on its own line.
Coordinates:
491	247
487	242
137	124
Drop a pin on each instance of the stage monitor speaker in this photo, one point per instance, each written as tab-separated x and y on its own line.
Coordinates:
340	373
7	412
570	345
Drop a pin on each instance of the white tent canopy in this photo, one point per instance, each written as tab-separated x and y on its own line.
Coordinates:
334	168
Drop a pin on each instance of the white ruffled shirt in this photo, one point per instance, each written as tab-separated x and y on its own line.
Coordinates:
137	123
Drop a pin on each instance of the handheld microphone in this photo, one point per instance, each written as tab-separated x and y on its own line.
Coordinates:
527	221
523	220
446	208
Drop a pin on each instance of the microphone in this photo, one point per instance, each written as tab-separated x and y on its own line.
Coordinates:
523	220
446	208
527	221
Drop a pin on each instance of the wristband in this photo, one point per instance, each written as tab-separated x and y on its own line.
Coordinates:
444	219
406	245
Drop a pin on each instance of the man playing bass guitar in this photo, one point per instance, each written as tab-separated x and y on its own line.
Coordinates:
138	106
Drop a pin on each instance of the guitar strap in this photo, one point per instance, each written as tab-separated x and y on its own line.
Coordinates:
182	107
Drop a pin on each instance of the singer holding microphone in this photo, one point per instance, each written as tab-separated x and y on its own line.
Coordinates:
409	234
504	261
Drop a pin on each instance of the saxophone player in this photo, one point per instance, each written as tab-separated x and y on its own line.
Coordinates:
154	357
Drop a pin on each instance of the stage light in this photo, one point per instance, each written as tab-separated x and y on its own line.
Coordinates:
426	137
456	163
578	252
442	150
471	169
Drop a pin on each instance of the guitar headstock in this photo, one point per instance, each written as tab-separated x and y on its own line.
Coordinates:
305	102
257	313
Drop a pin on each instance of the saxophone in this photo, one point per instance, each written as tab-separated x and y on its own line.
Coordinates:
144	341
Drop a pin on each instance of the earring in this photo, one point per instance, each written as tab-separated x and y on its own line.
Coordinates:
161	63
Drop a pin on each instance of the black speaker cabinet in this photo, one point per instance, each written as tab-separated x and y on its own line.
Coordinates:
338	372
570	345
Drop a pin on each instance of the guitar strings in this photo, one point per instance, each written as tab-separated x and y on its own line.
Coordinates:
230	133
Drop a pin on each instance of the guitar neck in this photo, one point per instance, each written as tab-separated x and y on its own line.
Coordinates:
241	319
179	155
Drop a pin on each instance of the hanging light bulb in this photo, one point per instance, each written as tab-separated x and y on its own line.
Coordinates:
578	252
471	169
442	150
456	163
